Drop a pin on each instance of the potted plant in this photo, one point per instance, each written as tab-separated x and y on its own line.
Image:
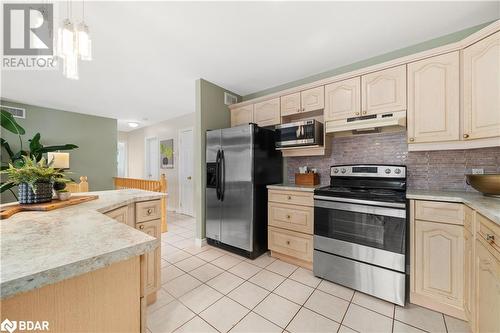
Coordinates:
63	195
35	180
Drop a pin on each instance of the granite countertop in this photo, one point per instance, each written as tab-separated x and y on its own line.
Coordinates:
41	248
487	206
293	187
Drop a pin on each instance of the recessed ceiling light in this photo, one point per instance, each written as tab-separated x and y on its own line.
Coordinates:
133	125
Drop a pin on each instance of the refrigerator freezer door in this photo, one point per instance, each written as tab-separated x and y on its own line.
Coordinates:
213	210
237	187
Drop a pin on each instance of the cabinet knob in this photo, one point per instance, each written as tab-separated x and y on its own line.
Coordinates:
289	198
287	242
490	238
298	110
364	112
466	136
411	139
288	216
141	227
149	211
357	113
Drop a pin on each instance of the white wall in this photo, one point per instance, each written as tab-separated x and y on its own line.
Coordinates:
168	129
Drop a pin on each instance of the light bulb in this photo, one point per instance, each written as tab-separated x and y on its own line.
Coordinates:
84	42
67	39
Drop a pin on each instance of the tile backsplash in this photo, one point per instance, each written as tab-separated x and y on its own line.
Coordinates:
429	170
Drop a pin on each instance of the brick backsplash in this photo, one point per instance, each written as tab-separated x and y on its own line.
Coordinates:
429	170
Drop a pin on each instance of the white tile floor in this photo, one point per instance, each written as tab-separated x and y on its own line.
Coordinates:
210	290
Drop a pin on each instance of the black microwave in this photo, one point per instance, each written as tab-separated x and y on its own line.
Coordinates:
301	133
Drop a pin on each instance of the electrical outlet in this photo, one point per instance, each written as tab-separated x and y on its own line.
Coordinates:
477	171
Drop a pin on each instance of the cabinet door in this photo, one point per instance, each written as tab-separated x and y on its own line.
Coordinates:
242	115
481	97
290	104
488	290
312	99
151	260
123	214
343	99
384	91
439	262
469	276
267	113
434	99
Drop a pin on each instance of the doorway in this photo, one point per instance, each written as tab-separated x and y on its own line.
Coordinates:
152	159
186	183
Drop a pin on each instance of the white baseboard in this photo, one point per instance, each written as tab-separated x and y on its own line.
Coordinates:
200	242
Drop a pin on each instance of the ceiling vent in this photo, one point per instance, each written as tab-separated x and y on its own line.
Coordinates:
16	112
230	98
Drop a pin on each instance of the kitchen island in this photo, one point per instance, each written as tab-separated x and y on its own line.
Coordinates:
76	267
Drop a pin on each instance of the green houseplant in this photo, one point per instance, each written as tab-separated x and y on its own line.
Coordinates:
35	180
17	158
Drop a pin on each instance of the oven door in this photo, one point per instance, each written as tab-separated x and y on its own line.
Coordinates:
372	234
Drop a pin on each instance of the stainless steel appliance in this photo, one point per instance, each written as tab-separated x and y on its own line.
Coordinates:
360	230
301	133
241	161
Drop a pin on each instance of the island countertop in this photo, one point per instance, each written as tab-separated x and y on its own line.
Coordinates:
487	206
41	248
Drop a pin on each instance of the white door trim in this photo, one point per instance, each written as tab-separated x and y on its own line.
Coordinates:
146	162
179	133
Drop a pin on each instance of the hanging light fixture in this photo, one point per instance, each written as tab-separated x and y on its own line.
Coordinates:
83	36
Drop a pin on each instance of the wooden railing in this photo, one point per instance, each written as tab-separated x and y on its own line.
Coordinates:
148	185
82	186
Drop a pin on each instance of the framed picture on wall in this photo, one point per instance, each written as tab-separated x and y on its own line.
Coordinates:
167	154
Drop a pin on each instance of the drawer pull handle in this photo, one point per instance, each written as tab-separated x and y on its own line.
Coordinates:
149	211
287	242
466	136
289	198
288	216
490	238
141	227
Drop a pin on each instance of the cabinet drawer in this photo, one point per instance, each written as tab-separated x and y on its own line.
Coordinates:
291	243
490	232
437	211
291	197
147	211
295	218
468	218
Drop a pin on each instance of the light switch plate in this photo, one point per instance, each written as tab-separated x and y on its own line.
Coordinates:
477	171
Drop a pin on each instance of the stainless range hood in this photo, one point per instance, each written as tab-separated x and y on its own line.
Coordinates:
384	122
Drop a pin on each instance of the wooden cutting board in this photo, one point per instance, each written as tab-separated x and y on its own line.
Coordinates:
8	211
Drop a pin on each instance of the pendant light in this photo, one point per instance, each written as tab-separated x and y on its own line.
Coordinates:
83	36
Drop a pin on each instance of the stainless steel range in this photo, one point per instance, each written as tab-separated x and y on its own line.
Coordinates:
360	223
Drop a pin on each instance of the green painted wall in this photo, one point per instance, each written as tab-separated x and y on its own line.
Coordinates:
95	136
211	113
427	45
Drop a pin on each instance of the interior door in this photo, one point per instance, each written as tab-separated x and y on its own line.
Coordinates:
152	165
237	187
186	172
212	203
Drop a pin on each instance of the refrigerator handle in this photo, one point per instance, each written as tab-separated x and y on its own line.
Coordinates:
223	174
217	175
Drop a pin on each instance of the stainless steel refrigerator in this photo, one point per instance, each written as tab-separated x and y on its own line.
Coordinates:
241	161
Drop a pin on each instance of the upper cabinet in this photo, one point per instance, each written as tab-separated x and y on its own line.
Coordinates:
384	91
304	101
434	99
343	99
267	113
242	115
481	88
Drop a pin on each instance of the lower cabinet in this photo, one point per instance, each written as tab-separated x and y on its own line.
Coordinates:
151	261
487	284
439	266
469	276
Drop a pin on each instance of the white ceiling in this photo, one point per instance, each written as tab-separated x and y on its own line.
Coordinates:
147	55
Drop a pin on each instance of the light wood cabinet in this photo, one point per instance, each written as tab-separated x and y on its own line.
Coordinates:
290	104
151	261
469	275
267	113
343	99
384	91
434	99
291	226
312	99
436	211
147	211
123	215
481	88
242	115
439	264
487	284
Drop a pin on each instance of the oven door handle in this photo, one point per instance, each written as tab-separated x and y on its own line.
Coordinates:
374	210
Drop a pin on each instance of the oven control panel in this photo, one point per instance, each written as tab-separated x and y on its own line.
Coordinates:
385	171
